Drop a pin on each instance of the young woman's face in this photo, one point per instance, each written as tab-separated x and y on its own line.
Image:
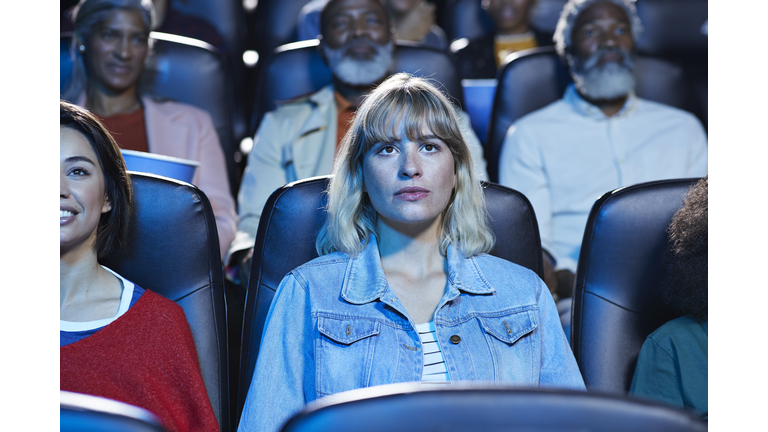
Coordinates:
409	182
116	51
82	192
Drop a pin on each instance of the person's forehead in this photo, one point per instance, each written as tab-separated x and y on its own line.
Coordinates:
601	10
342	7
124	19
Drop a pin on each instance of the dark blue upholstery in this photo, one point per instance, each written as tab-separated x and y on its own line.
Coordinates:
173	249
466	19
476	407
274	24
532	79
288	228
228	18
672	28
617	302
189	71
86	413
297	69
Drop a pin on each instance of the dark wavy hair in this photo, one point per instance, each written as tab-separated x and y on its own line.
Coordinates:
113	225
686	269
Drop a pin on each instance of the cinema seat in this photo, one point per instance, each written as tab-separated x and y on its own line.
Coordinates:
85	413
286	236
173	250
617	302
411	407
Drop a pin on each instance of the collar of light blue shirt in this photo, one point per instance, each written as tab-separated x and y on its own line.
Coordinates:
581	106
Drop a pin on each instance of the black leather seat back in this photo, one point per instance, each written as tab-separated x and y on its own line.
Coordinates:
275	24
672	28
532	79
297	69
617	302
411	407
226	16
86	413
173	249
675	31
185	70
289	225
465	19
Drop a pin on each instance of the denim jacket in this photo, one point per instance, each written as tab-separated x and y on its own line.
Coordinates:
336	325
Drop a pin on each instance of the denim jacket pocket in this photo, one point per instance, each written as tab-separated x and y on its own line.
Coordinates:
511	327
514	346
344	353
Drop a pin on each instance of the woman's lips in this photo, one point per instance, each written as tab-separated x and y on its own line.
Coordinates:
119	69
411	193
66	215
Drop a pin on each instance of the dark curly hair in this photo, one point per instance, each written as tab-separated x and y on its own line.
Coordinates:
685	281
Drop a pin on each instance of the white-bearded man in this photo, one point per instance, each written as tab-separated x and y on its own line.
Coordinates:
299	139
598	137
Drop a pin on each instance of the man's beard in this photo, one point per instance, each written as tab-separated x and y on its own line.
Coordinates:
359	72
611	80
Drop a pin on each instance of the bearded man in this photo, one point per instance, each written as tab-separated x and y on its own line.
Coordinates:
300	138
597	138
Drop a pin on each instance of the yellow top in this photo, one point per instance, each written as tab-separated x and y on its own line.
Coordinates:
504	45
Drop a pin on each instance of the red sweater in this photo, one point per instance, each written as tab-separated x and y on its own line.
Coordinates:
146	358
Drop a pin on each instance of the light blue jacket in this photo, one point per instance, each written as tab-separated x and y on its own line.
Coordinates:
336	325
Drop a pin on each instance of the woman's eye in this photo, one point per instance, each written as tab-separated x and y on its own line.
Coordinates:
621	30
108	35
430	147
387	150
587	33
78	172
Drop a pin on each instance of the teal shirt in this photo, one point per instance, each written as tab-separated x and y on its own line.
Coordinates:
672	365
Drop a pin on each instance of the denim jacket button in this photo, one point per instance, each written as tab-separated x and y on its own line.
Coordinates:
455	339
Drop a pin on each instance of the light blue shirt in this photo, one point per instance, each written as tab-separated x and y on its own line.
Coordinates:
566	155
336	325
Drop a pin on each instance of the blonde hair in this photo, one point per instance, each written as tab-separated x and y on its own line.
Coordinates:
415	103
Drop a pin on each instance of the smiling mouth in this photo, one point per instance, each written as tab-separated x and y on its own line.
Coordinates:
66	216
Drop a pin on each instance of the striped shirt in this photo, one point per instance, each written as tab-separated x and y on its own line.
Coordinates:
434	363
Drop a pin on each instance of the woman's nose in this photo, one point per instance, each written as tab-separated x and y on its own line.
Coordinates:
411	164
123	48
63	187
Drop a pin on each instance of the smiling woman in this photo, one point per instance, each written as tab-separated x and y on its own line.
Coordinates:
116	340
110	47
404	290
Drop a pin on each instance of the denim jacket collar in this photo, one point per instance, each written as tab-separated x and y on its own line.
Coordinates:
581	106
365	281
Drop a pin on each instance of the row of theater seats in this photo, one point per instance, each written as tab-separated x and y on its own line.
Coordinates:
672	68
173	249
528	81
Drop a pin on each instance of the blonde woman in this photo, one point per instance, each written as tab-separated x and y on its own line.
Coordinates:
404	289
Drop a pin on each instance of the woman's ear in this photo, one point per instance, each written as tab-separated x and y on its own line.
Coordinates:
107	205
78	43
